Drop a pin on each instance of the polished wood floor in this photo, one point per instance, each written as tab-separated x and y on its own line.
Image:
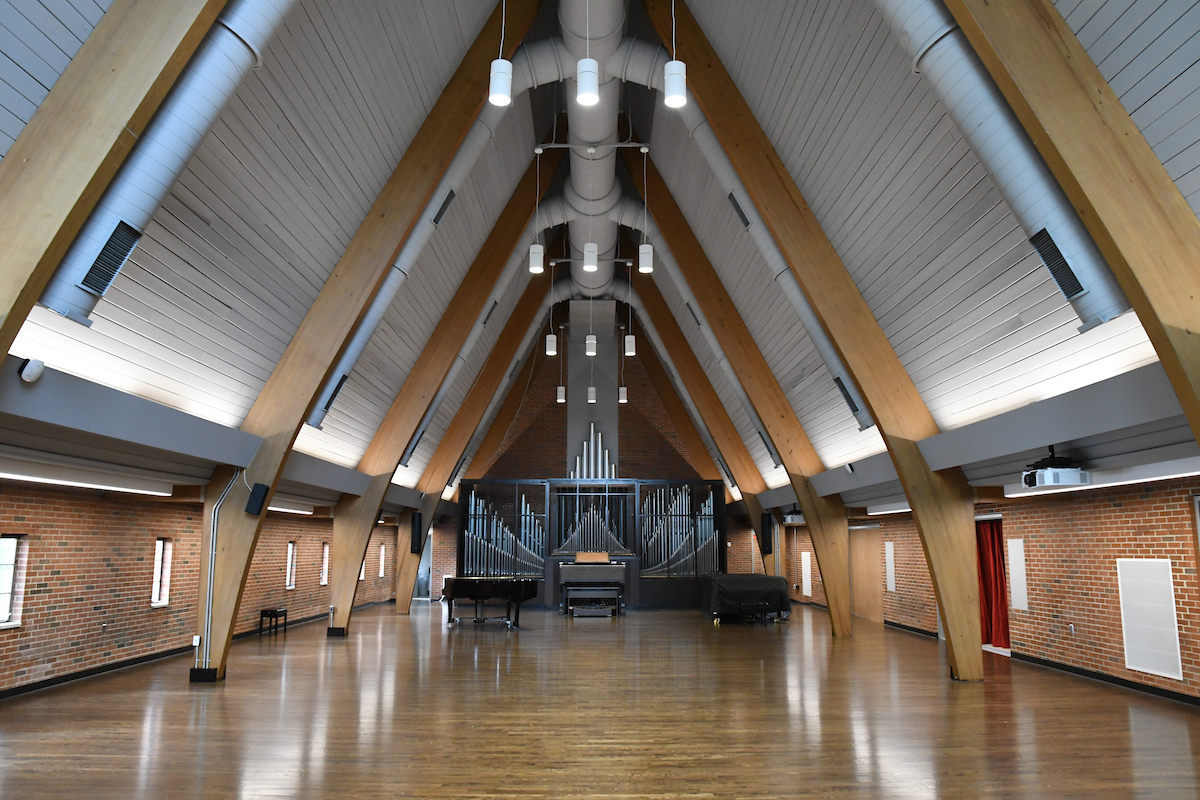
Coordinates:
658	704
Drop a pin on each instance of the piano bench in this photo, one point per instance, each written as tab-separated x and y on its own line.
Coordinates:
272	616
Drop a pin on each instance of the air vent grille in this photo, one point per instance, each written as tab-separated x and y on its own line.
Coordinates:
737	207
846	395
1058	266
111	259
441	212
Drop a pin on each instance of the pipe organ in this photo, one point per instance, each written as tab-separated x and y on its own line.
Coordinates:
497	544
678	532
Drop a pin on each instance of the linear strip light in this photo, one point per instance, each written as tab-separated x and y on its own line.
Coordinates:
12	476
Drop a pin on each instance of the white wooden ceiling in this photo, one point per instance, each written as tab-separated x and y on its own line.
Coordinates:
232	261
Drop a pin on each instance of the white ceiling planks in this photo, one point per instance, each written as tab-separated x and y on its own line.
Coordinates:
38	38
767	313
1149	52
918	223
423	298
237	254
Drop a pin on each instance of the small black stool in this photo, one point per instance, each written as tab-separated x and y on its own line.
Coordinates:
272	616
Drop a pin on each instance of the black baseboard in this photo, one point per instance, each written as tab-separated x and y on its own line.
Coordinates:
821	606
910	629
87	673
202	675
1113	679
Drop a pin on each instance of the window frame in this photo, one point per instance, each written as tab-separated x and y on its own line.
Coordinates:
324	563
160	583
382	561
16	591
289	578
362	570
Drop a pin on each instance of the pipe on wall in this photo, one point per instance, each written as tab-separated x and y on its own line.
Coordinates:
232	47
545	61
632	214
642	63
553	213
941	52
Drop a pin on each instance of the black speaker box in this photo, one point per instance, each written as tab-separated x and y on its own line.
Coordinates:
415	547
766	542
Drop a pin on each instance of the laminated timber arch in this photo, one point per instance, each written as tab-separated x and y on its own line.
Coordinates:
283	404
1135	213
354	517
712	412
64	159
942	502
825	517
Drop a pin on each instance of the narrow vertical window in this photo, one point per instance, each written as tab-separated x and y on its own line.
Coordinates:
160	588
291	566
382	560
362	571
325	563
9	594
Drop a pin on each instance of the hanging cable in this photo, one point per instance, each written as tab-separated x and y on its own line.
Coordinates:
504	17
674	47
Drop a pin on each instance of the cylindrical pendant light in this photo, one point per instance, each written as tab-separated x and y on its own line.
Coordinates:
562	394
537	254
675	84
589	344
587	82
591	257
500	89
646	258
551	344
630	345
591	394
622	394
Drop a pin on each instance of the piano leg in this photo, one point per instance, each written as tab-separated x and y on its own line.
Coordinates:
516	622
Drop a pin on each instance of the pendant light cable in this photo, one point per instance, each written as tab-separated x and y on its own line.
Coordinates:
674	47
645	195
504	16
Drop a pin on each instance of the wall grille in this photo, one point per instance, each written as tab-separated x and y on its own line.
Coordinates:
116	251
1058	266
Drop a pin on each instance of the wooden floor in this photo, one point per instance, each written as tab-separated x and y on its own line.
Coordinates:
657	704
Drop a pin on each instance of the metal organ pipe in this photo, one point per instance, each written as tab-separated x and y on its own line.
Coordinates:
941	52
642	63
232	47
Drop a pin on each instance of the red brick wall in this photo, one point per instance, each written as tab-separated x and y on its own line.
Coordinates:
913	603
443	558
1072	542
536	443
650	443
742	554
799	541
89	569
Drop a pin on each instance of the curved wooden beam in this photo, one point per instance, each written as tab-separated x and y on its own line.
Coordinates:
825	516
282	405
942	502
1135	213
64	159
354	517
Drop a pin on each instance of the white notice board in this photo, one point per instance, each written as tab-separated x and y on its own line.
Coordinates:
1149	626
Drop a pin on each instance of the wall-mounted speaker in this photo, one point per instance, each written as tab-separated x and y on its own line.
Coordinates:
415	547
766	541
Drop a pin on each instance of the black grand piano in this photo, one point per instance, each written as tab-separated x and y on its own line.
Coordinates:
513	591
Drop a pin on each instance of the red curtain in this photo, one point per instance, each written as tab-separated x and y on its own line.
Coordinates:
993	592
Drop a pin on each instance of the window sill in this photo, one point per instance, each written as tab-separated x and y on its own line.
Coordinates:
324	583
7	625
160	605
289	588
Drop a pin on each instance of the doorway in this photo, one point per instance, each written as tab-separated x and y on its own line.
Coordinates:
993	588
866	574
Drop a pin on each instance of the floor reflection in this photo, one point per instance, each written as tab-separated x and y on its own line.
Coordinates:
658	703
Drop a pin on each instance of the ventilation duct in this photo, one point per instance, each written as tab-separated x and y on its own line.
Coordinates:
941	52
230	50
632	214
642	63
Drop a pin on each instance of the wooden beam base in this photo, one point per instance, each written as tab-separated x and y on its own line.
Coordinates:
353	522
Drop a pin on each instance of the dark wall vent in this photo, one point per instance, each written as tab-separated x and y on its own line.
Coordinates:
846	396
1058	266
437	218
738	208
114	255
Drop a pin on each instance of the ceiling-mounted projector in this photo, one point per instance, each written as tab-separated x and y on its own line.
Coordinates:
1055	471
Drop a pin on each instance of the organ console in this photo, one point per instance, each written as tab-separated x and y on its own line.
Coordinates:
592	586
